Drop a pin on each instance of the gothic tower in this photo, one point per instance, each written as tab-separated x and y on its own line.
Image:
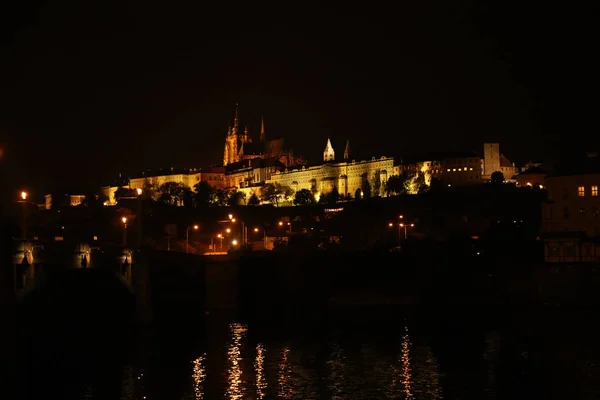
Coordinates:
234	139
347	151
328	154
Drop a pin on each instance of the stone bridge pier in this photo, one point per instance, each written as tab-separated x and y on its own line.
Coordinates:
33	263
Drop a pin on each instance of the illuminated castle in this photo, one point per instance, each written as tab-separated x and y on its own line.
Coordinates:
239	146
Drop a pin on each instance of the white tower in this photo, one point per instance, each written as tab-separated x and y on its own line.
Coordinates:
328	154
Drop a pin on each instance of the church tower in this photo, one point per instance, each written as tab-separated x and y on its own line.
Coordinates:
235	139
347	151
328	154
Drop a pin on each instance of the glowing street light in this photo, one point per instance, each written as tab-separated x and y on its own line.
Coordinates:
234	242
280	223
187	236
228	230
139	191
230	216
24	195
124	220
232	219
255	229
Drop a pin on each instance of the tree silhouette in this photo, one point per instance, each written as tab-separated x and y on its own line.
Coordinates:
396	184
304	197
497	178
333	196
236	198
253	200
203	194
172	193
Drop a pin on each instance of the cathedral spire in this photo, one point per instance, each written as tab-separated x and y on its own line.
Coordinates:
262	129
328	154
347	150
236	118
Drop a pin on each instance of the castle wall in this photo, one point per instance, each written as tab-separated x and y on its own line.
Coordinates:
347	177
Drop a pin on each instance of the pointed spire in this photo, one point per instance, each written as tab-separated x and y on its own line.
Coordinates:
236	118
329	153
347	150
262	129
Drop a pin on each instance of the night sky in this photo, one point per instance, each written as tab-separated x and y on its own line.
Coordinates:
91	89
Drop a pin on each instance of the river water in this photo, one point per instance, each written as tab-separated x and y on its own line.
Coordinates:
351	354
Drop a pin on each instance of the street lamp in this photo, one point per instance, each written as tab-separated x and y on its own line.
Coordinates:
234	242
228	230
139	217
24	195
230	216
124	220
187	236
405	226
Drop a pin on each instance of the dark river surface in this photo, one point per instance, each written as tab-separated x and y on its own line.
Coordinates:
478	353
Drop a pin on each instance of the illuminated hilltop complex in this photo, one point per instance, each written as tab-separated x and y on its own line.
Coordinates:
250	164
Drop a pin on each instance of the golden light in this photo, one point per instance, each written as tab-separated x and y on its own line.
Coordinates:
280	223
219	236
139	191
412	225
228	230
232	219
289	224
230	216
390	224
24	195
401	216
196	227
124	219
105	203
255	229
234	242
401	224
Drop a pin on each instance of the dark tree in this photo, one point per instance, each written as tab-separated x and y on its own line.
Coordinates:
497	178
435	185
172	193
358	194
220	198
366	189
236	198
333	196
396	184
304	197
203	194
149	190
253	200
269	193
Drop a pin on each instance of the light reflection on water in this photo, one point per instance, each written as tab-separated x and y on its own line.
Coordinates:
259	367
199	375
236	389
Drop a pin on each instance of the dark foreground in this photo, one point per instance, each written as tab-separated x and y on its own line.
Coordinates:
374	353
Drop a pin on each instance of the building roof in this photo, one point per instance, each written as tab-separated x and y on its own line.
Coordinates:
149	173
435	156
504	162
534	171
257	162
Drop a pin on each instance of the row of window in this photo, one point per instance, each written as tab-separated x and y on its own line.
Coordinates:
459	169
582	192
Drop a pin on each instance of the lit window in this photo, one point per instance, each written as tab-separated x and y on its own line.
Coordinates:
594	190
448	169
460	169
454	169
581	191
470	169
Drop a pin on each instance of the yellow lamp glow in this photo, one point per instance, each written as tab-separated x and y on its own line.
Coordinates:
234	242
124	219
24	195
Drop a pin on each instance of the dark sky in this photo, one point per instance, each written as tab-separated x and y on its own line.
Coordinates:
93	88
